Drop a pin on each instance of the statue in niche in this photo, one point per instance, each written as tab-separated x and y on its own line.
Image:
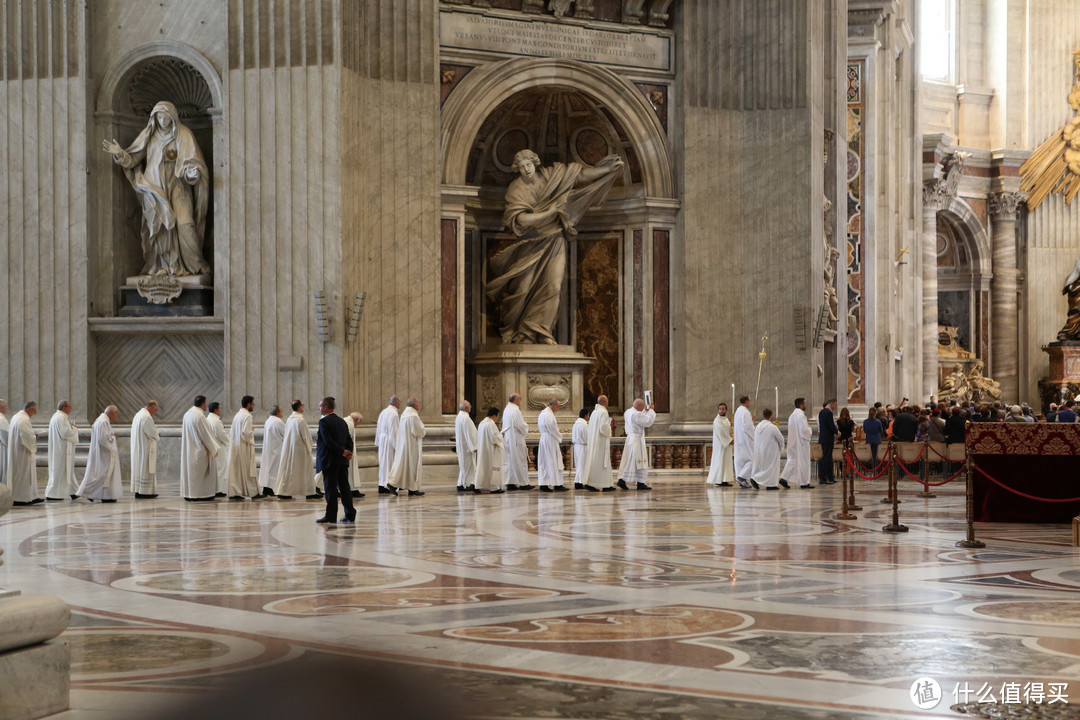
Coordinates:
983	388
167	170
1071	331
543	208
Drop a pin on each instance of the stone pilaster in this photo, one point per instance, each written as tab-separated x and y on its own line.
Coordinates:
1004	329
934	199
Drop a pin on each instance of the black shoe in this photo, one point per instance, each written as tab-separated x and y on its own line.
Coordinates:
319	492
561	488
237	497
357	494
545	488
347	521
755	484
109	500
205	499
724	484
316	496
326	521
784	483
643	486
390	489
607	489
622	484
511	486
383	490
477	492
471	488
55	499
590	488
416	493
220	495
138	496
284	497
20	503
256	497
36	501
806	487
496	492
773	487
76	497
462	488
526	487
579	486
268	492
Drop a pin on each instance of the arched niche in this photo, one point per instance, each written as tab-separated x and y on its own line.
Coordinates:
963	268
132	86
567	111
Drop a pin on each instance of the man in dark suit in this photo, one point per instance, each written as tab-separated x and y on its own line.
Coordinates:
333	451
826	437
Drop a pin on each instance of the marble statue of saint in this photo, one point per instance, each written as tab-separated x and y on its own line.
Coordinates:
984	388
1071	331
956	386
172	182
543	208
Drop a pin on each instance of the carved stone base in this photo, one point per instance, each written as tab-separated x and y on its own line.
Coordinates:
1063	380
537	372
159	296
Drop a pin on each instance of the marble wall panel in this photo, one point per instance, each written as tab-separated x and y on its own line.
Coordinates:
598	324
448	301
661	314
43	207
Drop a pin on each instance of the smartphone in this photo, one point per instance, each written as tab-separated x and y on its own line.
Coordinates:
648	398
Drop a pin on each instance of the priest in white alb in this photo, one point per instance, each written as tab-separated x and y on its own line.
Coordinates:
352	421
797	468
198	472
597	474
549	462
243	476
296	474
489	451
465	439
515	453
386	440
408	470
101	481
768	446
270	463
722	470
634	467
144	444
5	428
221	437
744	443
579	438
63	435
21	452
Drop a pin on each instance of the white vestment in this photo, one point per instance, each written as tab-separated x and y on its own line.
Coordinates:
296	475
768	445
409	460
634	466
515	454
221	462
386	440
198	473
597	464
5	428
243	477
723	468
354	464
144	442
549	462
744	443
270	463
62	440
579	436
797	468
465	439
101	481
21	467
489	447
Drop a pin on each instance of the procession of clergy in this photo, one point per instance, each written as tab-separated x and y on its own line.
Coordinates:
216	463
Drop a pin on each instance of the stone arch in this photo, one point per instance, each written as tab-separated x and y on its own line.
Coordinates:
118	76
971	230
482	91
964	275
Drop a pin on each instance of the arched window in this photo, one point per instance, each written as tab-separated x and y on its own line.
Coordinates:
937	34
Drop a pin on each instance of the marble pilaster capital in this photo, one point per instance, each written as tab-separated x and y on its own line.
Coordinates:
1003	205
936	195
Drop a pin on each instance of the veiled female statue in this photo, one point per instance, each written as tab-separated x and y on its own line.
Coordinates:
543	208
166	168
1071	330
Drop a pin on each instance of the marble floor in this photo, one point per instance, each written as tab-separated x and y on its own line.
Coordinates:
686	602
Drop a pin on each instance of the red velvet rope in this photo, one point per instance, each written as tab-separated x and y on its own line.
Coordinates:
1023	494
930	484
851	465
931	449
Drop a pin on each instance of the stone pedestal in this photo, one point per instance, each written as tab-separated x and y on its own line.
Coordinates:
1063	380
167	296
537	372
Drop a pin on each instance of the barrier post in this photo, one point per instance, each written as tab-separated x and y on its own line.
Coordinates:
926	471
895	525
970	541
890	449
847	478
851	504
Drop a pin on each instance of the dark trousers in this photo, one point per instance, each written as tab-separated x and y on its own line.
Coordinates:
825	464
336	482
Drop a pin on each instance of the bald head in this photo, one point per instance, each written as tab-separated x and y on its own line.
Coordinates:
112	412
395	401
515	398
465	406
553	404
639	404
357	418
63	406
602	400
413	403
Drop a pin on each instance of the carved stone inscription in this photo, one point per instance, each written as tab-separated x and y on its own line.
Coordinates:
472	31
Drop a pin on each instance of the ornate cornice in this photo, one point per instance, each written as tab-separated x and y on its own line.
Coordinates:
1003	205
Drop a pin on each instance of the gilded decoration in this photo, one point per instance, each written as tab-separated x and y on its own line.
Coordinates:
856	280
1023	439
1055	166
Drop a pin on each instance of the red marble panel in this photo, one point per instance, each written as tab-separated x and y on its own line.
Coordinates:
449	315
639	311
661	322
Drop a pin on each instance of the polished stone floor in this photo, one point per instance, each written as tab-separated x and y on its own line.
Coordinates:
686	602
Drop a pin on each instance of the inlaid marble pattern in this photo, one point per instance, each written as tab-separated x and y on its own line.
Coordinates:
684	602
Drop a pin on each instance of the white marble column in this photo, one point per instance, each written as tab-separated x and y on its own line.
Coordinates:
1004	332
934	199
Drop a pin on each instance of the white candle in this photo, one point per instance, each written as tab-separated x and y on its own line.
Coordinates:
733	397
776	395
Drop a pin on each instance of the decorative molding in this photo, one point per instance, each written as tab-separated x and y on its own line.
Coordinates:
1004	205
174	80
938	194
542	388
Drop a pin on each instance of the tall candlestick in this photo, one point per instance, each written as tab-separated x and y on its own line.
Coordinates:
776	396
733	396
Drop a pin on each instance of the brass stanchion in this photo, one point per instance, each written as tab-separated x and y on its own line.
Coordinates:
851	504
926	471
895	525
970	542
891	497
847	478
